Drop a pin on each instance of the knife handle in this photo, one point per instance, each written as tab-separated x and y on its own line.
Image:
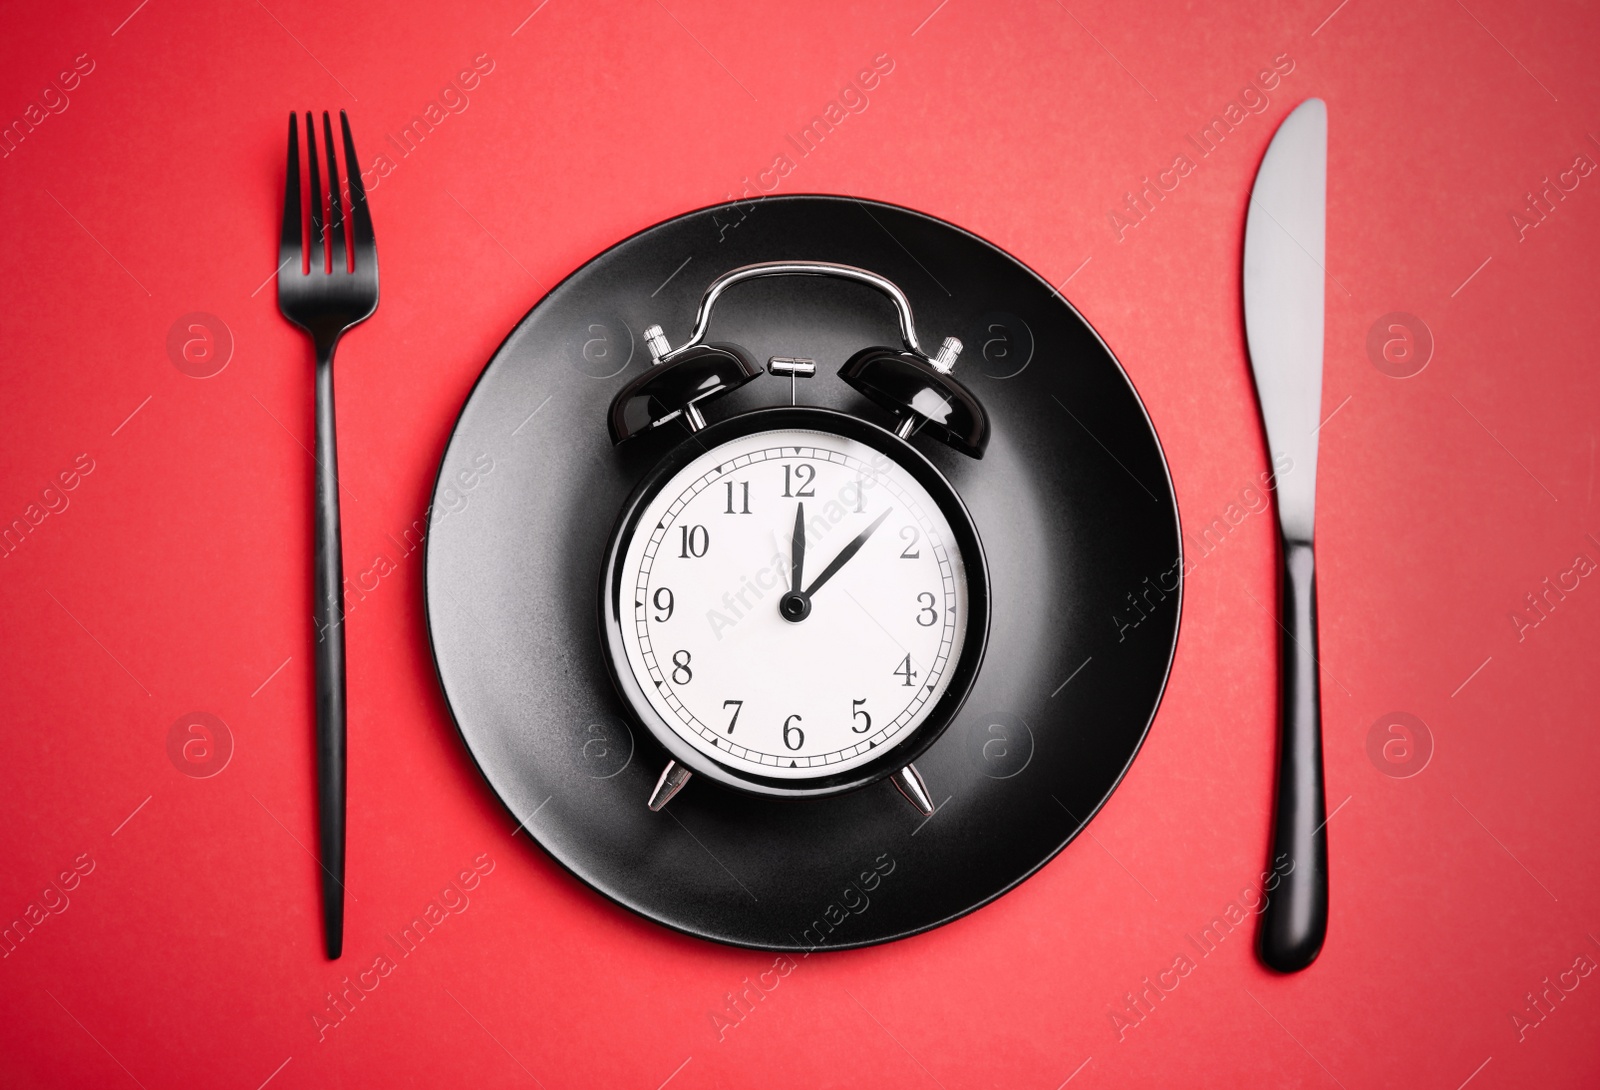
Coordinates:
1296	917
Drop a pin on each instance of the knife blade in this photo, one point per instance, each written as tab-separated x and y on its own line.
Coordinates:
1284	274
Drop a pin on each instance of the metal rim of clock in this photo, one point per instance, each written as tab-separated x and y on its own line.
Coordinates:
962	676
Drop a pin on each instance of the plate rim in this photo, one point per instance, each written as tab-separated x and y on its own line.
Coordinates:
906	933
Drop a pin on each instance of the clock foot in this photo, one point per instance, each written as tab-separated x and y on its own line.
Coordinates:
909	781
673	777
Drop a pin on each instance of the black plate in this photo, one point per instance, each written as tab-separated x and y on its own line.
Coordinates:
1072	500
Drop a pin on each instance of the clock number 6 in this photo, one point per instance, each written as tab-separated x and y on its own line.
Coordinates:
694	541
681	674
798	734
860	713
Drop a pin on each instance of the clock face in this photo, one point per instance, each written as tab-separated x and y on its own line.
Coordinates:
792	603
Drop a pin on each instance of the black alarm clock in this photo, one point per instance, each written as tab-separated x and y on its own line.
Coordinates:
794	600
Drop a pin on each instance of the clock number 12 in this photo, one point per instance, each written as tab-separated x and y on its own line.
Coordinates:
797	481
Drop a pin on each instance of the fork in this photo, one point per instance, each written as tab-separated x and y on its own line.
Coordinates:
326	289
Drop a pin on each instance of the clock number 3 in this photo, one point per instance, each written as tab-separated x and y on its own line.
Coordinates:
681	674
926	601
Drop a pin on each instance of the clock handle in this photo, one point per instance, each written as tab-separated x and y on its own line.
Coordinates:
916	388
662	352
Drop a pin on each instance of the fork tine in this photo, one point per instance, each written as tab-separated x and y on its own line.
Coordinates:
317	263
293	241
335	211
363	242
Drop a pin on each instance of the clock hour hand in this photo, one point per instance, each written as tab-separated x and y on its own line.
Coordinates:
795	606
797	549
846	553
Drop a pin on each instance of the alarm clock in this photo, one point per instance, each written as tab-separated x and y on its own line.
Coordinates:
794	600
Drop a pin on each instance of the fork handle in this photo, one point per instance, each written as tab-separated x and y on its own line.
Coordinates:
328	614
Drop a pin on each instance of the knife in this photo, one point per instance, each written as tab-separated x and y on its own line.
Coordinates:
1283	286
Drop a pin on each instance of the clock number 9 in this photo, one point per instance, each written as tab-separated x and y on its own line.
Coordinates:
796	733
694	541
681	674
926	610
802	475
860	713
665	607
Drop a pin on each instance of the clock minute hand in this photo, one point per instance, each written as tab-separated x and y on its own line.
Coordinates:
846	553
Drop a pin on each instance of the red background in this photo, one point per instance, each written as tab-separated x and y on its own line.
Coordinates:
178	578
